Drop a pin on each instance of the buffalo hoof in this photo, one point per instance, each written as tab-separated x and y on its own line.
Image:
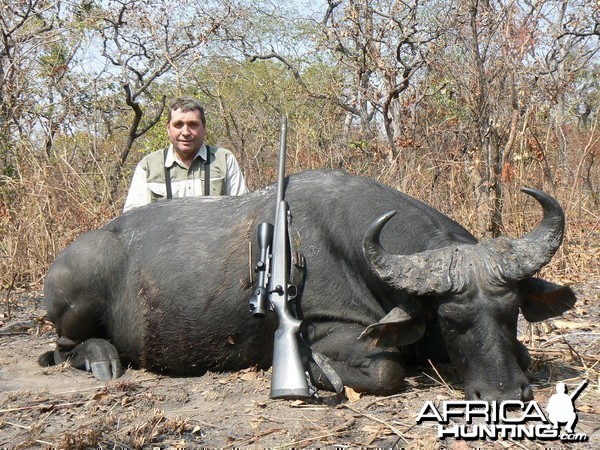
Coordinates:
47	359
104	370
94	355
101	358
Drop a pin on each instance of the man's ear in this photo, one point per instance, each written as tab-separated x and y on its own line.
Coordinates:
542	299
397	328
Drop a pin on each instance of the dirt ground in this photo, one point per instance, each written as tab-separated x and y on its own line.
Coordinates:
64	408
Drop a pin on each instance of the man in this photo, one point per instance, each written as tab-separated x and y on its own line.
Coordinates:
179	170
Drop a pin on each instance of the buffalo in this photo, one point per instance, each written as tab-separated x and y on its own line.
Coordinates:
386	283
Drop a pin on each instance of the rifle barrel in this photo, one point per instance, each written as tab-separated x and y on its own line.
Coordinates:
281	170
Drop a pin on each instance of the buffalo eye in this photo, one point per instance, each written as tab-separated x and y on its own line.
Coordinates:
454	319
453	326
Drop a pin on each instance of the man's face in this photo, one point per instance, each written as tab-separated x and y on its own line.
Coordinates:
186	132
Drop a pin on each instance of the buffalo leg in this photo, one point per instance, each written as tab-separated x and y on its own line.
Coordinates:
77	302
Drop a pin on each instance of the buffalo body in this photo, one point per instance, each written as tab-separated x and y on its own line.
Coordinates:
166	287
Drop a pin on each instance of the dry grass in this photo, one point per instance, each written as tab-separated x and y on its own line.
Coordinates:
68	409
54	202
47	208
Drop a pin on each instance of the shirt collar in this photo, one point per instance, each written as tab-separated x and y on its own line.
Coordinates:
171	159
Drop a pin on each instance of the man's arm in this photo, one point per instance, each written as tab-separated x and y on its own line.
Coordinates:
138	190
234	180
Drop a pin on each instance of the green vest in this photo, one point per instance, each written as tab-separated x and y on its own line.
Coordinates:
182	178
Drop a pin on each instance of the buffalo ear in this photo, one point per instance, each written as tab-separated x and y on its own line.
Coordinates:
397	328
542	299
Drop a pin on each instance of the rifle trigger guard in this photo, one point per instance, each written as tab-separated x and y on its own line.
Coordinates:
292	291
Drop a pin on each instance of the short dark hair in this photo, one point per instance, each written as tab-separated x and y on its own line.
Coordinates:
186	104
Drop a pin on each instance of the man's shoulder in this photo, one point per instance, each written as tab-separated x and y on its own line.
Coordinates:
218	151
222	157
153	158
160	154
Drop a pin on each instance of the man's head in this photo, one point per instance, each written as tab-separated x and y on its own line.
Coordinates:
186	124
187	104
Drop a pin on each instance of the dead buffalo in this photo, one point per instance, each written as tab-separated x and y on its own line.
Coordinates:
166	287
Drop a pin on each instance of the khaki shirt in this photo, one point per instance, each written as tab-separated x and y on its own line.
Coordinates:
148	182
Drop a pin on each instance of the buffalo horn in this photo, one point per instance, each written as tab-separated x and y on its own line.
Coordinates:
424	273
441	270
520	258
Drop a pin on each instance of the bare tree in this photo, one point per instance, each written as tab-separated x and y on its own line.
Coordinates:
146	42
501	62
567	52
25	28
377	47
383	44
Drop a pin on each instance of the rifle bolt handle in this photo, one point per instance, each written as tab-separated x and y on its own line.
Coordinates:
278	289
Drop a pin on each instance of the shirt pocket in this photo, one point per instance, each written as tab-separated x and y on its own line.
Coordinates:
217	184
158	191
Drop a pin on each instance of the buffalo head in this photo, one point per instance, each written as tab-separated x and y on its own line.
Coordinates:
475	292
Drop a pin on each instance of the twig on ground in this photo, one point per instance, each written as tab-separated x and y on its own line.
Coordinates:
253	438
42	406
16	425
562	336
512	442
376	419
441	380
383	399
316	438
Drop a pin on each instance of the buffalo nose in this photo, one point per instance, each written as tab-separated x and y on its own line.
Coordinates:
526	393
522	392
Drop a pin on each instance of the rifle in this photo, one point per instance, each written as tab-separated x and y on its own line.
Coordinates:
289	379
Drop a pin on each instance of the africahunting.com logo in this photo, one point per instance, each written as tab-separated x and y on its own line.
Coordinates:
474	419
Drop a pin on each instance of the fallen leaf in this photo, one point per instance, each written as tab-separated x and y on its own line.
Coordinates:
351	394
570	325
100	395
249	376
371	429
588	409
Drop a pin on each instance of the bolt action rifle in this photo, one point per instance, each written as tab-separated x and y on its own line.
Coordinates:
288	380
